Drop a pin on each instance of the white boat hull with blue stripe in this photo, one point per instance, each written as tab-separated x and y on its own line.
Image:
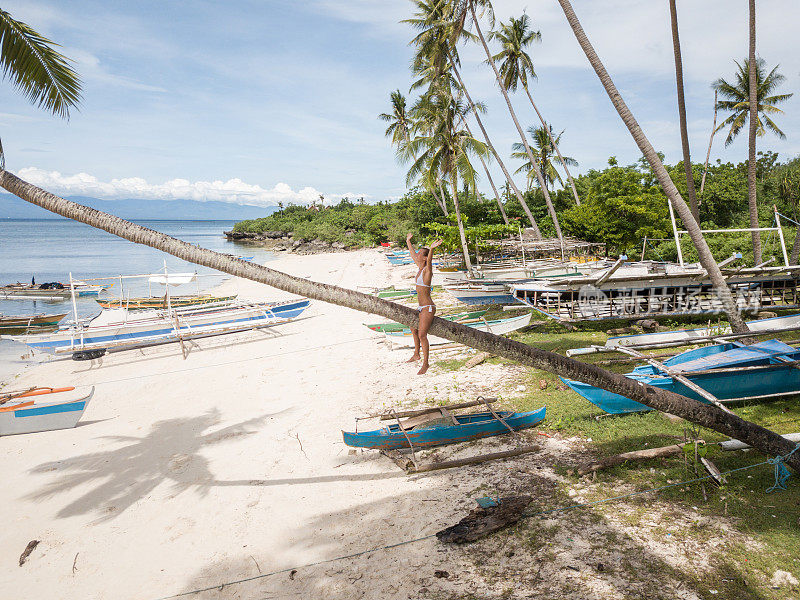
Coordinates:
36	416
119	328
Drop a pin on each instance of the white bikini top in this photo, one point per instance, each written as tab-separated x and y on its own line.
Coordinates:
420	281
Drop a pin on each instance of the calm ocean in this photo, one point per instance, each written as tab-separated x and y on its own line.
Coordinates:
50	249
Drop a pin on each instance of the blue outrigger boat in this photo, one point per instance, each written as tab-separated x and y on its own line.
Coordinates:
464	428
730	372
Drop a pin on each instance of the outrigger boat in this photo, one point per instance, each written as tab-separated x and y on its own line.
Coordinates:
42	409
438	426
714	374
162	302
404	338
55	291
119	328
18	324
457	318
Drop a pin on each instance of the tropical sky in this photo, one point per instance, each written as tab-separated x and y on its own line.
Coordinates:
261	101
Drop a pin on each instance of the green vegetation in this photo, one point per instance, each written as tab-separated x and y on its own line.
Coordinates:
621	205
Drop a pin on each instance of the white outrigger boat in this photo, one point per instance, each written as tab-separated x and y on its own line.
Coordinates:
120	328
403	339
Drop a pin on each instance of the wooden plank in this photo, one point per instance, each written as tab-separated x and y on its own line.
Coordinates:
618	459
413	413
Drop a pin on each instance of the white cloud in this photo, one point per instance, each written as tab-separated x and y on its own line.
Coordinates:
234	190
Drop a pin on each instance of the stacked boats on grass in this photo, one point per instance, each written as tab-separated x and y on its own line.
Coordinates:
716	374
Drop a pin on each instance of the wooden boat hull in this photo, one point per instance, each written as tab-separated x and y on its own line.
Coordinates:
471	427
37	416
18	325
773	378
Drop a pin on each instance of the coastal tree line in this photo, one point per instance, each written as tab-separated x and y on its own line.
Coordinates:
41	77
622	205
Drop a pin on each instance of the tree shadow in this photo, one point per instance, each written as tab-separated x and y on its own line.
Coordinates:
583	553
170	451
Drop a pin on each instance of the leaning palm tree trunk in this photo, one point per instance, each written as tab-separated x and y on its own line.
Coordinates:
710	143
555	145
752	199
489	177
444	198
703	251
539	177
687	161
705	415
537	234
461	234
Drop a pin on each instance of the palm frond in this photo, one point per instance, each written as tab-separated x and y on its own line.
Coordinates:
36	69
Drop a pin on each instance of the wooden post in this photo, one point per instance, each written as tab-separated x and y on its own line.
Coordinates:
675	232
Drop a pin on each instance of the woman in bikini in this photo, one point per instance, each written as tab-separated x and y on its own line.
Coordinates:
427	309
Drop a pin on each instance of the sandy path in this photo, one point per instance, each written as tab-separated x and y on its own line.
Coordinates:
189	473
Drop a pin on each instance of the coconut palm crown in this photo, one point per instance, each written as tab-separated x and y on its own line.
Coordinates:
736	99
30	61
516	65
543	150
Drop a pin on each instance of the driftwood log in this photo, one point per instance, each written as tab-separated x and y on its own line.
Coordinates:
618	459
476	360
472	460
481	522
27	552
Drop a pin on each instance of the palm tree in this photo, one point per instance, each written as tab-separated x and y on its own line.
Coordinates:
702	414
543	148
461	10
687	160
435	53
736	100
752	105
422	113
446	151
399	130
36	69
678	203
516	66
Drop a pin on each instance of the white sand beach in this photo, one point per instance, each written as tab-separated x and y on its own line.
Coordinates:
190	473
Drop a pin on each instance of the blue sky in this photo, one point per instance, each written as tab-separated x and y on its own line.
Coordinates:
261	101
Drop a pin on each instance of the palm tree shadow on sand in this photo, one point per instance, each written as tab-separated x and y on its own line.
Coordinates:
170	451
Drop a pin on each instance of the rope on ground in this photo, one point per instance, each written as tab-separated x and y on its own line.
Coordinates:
525	516
782	474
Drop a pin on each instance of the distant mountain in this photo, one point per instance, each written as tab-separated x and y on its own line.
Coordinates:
12	207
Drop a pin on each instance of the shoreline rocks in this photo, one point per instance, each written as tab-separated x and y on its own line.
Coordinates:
278	241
